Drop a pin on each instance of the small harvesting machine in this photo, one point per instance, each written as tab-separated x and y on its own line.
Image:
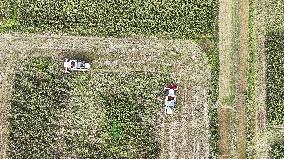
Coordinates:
75	65
170	97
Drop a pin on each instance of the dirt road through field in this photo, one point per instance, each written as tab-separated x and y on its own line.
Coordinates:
243	79
225	77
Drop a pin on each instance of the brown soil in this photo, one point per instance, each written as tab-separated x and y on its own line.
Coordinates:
261	120
225	78
243	76
224	132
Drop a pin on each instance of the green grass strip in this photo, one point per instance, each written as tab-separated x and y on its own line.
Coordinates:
213	56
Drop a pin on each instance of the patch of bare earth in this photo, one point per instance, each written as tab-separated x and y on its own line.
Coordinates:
183	135
225	79
224	121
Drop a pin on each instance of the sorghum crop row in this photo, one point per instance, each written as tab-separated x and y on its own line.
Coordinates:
180	19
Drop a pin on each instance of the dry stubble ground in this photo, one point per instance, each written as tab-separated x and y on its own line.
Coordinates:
225	78
243	79
183	135
260	140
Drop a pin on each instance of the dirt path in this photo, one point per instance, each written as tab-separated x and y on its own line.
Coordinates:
243	79
225	77
175	131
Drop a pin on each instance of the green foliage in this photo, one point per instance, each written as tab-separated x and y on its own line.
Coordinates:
274	15
214	132
39	95
213	57
115	131
131	107
275	77
277	150
81	115
9	24
8	15
182	19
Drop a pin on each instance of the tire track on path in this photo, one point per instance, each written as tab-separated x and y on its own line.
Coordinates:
243	76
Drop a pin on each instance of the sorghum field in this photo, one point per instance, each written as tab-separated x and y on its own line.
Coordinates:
275	77
179	19
114	111
226	55
136	48
63	109
275	93
98	115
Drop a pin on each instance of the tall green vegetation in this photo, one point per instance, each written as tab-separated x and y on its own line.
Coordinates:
8	15
275	77
277	150
214	64
40	94
275	84
179	19
131	107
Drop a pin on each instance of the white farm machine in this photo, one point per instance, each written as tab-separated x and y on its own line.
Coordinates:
75	65
170	98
